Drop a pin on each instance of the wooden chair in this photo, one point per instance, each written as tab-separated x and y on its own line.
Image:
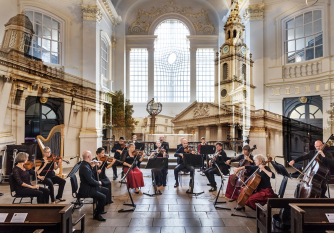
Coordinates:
15	195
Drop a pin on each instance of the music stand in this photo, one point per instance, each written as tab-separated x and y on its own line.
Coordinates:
74	169
156	163
208	149
122	158
195	161
139	146
221	187
132	203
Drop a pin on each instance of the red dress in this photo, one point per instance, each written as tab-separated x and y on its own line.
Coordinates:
135	178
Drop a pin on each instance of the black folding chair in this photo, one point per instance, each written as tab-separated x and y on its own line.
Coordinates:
78	203
12	190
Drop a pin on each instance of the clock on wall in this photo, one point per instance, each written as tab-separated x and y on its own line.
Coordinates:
226	48
243	50
223	93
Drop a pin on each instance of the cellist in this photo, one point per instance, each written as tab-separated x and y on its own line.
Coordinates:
246	158
325	157
263	190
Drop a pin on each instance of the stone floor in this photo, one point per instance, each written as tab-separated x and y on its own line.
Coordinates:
173	211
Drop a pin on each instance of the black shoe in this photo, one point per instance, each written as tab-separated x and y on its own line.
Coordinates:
176	185
240	209
114	178
213	189
61	199
188	192
1	194
99	218
137	192
104	212
208	184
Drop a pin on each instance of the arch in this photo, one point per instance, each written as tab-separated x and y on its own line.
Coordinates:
243	70
234	33
225	71
162	18
228	34
107	76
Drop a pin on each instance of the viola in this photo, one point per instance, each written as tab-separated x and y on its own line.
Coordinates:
250	185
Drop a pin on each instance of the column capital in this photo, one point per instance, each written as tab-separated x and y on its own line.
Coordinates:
192	49
150	49
254	12
128	49
91	12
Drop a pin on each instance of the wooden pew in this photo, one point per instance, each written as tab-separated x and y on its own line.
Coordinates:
264	214
50	218
310	218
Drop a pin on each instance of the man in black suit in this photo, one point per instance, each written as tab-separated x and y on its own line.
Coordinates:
179	154
90	187
164	144
324	156
118	150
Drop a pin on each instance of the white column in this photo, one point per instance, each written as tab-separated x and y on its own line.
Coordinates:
197	133
207	133
127	80
217	94
327	123
192	74
220	133
150	89
4	97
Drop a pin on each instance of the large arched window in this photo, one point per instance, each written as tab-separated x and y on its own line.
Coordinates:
46	43
104	62
225	71
304	37
172	62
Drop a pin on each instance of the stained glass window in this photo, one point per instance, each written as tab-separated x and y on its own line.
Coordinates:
205	75
138	75
172	62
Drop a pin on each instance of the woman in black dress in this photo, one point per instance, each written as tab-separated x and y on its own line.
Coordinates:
22	184
159	173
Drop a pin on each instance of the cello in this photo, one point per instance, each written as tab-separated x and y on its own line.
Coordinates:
250	185
312	177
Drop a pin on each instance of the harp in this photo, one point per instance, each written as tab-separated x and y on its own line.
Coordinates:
55	141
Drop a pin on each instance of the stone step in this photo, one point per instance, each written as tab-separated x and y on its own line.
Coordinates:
171	165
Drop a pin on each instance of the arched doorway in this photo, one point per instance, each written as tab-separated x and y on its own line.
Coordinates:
41	116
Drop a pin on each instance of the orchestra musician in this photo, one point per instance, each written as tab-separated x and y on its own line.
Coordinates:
325	157
118	150
160	174
134	139
181	166
22	185
135	177
263	190
178	147
204	156
90	187
101	172
46	174
163	143
230	190
220	162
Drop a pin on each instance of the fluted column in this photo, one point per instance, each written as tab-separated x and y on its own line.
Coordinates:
207	133
220	133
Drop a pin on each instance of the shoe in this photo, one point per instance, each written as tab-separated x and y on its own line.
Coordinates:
188	192
1	194
240	209
114	178
104	212
99	218
176	185
213	189
137	192
203	174
61	200
208	184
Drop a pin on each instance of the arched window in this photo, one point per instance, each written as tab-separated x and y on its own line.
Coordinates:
47	42
306	112
225	71
205	75
172	62
104	62
234	33
243	72
304	37
228	34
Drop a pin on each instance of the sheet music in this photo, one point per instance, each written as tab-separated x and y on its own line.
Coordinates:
330	217
19	217
3	217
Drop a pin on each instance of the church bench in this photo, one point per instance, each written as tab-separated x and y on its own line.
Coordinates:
264	213
50	218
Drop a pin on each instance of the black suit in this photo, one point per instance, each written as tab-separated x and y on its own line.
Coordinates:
117	155
90	187
220	162
182	165
164	145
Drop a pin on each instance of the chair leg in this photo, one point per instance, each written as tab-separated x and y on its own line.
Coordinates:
31	200
20	200
14	200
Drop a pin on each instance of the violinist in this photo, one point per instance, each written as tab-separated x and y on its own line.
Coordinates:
159	173
101	172
22	183
178	147
135	177
90	187
181	166
45	173
204	156
263	190
134	139
118	149
220	160
163	143
245	159
324	156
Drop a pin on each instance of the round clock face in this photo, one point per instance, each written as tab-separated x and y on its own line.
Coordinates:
223	93
243	50
226	48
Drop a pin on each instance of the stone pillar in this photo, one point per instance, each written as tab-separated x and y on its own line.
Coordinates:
207	133
327	111
197	136
150	89
220	133
4	98
127	80
217	65
192	74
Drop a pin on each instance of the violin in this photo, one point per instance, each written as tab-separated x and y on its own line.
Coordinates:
161	150
54	158
250	185
30	164
124	146
106	158
188	150
138	153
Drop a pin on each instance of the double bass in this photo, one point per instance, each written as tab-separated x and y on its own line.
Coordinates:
313	175
250	185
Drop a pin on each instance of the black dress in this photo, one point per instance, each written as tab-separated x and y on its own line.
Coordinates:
104	179
23	176
160	174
